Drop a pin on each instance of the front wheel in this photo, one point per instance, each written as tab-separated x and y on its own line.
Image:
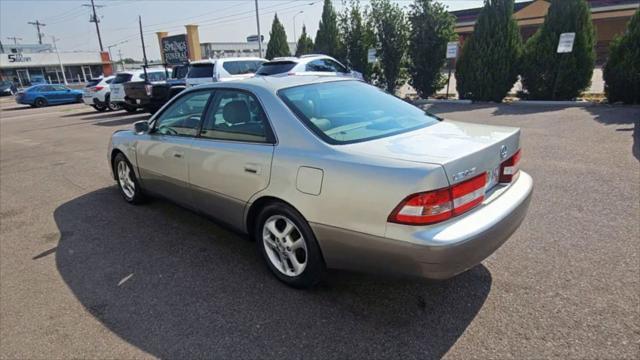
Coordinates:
100	108
288	246
127	181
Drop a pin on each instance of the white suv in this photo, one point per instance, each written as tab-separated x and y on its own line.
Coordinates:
224	69
307	65
117	89
97	93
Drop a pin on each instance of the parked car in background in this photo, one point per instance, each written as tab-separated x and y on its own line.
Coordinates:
43	95
118	94
7	87
331	172
152	95
308	65
97	94
225	69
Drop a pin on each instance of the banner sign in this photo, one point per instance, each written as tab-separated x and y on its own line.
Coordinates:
175	49
565	45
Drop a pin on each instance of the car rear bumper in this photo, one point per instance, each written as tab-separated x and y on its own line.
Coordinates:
438	251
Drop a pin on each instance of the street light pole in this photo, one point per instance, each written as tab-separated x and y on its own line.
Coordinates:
258	24
64	77
295	37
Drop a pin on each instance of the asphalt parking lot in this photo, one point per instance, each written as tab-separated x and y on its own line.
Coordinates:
84	275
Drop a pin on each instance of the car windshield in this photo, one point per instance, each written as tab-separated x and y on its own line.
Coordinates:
122	78
200	71
276	67
343	112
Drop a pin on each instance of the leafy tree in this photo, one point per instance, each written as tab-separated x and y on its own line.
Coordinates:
328	37
549	75
432	26
305	44
487	67
622	71
356	38
277	45
390	26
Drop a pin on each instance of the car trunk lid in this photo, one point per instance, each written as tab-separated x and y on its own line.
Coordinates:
464	150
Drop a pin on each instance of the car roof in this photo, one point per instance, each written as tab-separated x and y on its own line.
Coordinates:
212	61
275	83
304	59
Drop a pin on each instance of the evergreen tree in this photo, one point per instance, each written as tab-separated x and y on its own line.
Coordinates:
390	25
305	44
549	75
622	71
327	37
277	45
487	67
355	37
432	26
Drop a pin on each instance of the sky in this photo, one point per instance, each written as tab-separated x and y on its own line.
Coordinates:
218	20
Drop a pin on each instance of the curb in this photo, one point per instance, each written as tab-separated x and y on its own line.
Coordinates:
441	101
553	103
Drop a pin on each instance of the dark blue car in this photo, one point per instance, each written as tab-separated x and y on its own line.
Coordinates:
43	95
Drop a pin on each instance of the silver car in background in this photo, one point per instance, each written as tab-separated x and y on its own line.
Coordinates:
330	172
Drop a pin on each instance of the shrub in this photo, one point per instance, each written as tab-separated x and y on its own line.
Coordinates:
356	38
487	67
622	71
390	26
432	26
547	75
305	44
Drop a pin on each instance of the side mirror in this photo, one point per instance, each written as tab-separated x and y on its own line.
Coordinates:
141	127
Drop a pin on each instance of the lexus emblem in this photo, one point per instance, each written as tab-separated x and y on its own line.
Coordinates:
503	151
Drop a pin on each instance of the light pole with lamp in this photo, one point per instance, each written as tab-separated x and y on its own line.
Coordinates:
295	38
114	45
64	77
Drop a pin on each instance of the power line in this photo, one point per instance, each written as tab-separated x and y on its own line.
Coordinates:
15	39
38	24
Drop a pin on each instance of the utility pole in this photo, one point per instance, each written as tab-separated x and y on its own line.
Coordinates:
94	19
144	51
120	56
59	61
259	36
38	24
15	39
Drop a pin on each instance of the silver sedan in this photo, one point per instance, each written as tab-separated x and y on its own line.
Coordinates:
326	172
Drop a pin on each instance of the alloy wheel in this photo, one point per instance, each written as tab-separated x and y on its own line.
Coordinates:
285	246
125	180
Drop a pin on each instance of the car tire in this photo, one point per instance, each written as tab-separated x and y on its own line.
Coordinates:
100	108
287	244
40	102
127	181
130	109
111	106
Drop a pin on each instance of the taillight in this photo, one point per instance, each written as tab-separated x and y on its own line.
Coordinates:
98	88
149	89
434	206
509	169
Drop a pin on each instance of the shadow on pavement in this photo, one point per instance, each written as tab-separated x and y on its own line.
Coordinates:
176	285
620	115
122	120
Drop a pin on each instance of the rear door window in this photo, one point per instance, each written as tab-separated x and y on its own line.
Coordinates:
242	67
200	71
275	67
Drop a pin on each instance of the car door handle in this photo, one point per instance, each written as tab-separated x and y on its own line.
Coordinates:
252	168
177	155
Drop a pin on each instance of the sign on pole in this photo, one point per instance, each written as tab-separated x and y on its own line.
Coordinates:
452	50
371	56
565	45
254	38
175	49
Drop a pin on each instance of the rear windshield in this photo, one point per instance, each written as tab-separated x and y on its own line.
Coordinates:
200	71
275	67
93	82
179	72
343	112
242	66
121	78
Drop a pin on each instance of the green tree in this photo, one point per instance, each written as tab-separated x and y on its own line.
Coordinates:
432	26
487	67
356	38
390	26
549	75
305	44
277	45
328	37
622	71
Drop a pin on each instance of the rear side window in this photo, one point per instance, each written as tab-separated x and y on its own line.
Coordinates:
275	67
241	67
93	82
179	72
326	65
121	78
155	76
200	71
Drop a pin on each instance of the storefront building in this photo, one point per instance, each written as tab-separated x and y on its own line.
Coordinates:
610	18
26	65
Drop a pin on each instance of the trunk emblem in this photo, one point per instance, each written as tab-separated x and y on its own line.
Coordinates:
503	151
464	174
